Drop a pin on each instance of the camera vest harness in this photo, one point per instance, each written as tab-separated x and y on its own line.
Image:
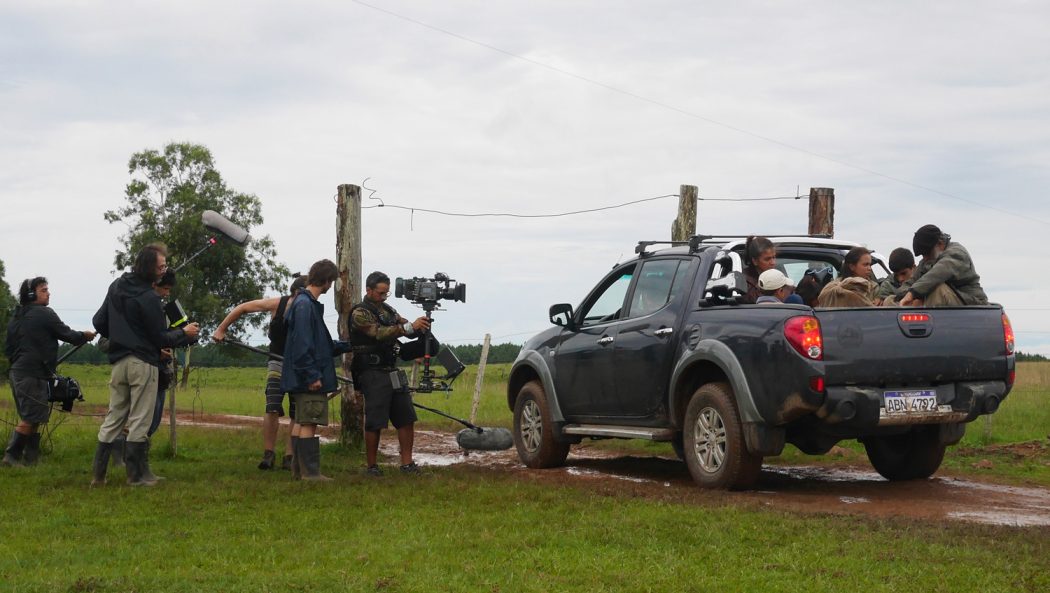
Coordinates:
370	353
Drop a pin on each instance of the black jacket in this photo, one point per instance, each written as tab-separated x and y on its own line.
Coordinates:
133	320
32	340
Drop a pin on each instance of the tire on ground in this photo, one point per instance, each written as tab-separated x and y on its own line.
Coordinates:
714	446
914	455
533	429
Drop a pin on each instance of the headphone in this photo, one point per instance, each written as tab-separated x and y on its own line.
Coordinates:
30	291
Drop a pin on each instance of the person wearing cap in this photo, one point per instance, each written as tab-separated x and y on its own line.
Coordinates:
775	288
902	264
945	276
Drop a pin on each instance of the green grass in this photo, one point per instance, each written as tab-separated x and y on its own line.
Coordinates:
218	524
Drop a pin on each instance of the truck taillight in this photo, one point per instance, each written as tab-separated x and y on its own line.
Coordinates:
1008	335
803	333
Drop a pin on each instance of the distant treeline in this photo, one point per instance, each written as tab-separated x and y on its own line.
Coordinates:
1022	357
218	355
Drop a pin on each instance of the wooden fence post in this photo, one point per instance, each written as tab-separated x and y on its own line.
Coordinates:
480	378
822	211
684	226
348	293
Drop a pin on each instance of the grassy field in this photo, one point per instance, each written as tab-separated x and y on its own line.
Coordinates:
218	524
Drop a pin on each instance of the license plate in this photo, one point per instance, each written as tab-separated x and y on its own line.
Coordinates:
910	402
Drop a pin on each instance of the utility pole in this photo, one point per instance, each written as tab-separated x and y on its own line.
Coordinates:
822	211
347	294
684	226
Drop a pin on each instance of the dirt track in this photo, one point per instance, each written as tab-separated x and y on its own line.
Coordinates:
817	489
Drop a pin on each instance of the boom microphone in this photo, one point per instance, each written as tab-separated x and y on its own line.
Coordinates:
220	225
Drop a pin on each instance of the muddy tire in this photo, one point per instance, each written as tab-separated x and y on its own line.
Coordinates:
914	455
714	446
533	429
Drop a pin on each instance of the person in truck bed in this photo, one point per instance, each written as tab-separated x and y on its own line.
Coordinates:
759	255
902	264
853	287
945	277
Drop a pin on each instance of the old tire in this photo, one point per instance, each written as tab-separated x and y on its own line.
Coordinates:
715	450
533	429
914	455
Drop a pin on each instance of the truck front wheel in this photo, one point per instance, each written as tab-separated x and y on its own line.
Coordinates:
714	446
533	429
914	455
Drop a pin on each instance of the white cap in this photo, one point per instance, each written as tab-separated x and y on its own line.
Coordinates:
773	280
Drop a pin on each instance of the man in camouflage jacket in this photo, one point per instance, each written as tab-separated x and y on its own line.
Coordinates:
945	276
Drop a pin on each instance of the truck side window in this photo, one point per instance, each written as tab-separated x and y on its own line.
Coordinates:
653	290
608	304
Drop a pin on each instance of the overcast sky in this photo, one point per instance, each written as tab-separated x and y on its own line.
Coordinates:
934	112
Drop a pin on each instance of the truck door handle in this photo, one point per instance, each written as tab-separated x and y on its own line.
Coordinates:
605	340
664	331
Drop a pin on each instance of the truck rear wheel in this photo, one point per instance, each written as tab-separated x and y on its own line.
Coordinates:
714	446
914	455
533	429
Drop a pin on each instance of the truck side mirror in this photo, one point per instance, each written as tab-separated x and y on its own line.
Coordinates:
561	314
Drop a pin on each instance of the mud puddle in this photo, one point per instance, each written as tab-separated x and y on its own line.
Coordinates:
797	488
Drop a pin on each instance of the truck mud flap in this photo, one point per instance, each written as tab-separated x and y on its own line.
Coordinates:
767	441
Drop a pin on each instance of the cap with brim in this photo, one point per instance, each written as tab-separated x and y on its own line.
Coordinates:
773	280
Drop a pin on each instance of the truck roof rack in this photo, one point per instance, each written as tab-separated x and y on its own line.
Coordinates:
696	241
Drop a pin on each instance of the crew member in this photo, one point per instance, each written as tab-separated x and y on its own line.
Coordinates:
132	318
278	331
308	373
32	348
374	331
945	276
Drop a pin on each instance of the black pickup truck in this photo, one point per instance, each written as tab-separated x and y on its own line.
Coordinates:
662	349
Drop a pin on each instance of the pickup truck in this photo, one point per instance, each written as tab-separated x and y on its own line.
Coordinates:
663	349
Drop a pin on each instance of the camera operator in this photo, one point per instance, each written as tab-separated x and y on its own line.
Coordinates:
32	348
374	331
132	318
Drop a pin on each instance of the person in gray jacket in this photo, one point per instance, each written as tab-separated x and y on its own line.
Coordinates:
945	277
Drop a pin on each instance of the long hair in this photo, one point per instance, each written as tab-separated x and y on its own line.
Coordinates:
755	247
322	272
852	257
145	265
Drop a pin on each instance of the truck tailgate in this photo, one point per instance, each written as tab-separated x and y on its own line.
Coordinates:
912	346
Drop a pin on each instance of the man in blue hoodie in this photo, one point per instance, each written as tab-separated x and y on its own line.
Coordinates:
132	319
308	373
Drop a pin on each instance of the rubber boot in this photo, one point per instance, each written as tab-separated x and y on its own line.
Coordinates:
32	450
448	359
134	458
286	462
15	447
119	451
297	473
101	463
268	460
147	473
310	451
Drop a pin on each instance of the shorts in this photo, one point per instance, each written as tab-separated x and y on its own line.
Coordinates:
382	405
311	408
274	397
30	398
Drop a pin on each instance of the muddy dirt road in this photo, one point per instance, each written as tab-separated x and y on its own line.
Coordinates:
810	488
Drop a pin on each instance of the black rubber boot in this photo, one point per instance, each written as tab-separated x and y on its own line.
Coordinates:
147	473
15	448
268	460
448	359
310	451
297	473
134	461
119	451
101	464
32	450
286	462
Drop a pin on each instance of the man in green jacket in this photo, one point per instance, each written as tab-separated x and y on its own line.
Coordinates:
945	276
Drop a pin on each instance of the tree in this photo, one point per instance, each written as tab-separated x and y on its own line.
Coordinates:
7	306
163	202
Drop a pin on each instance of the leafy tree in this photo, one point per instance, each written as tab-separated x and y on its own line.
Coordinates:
168	192
7	306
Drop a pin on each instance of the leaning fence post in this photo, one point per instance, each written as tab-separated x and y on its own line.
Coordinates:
480	378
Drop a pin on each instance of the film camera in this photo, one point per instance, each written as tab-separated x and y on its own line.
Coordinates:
428	291
65	391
